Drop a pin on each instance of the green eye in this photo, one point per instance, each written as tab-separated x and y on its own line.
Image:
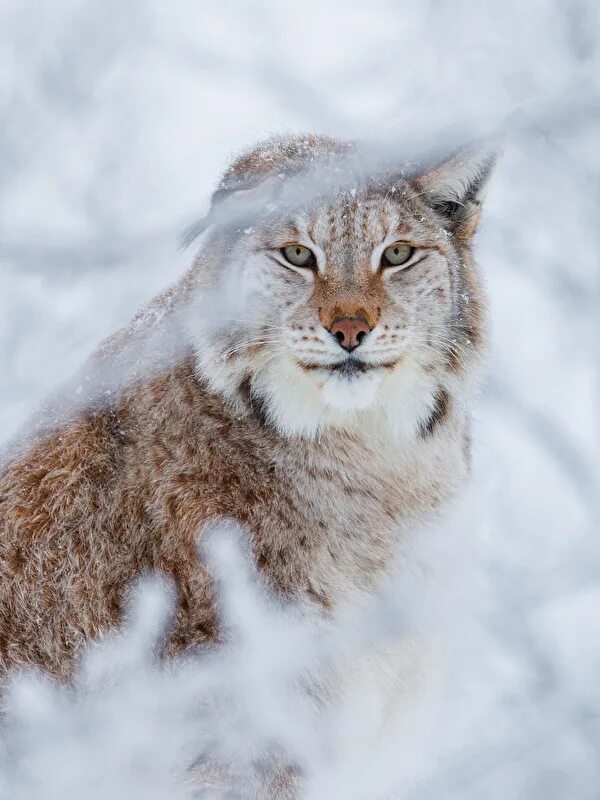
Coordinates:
298	255
396	254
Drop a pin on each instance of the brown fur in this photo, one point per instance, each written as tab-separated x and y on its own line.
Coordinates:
123	488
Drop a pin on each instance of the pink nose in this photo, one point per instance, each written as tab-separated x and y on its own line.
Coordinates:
350	331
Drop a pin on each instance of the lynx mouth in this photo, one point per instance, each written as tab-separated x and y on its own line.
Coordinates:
349	368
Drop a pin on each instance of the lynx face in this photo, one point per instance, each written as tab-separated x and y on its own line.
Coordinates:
360	304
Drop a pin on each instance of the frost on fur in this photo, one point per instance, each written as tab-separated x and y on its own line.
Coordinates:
234	718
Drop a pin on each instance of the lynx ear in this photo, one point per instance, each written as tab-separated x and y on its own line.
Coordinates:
455	188
232	204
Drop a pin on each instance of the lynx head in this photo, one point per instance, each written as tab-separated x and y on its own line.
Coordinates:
334	293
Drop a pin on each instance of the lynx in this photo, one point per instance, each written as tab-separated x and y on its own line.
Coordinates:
311	377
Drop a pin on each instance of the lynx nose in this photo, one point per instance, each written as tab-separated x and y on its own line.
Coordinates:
350	331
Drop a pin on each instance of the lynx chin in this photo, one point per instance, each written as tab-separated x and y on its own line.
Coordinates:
311	377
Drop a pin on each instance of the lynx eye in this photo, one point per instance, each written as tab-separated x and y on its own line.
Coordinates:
396	254
298	255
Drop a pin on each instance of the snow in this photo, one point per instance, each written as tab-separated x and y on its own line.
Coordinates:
118	121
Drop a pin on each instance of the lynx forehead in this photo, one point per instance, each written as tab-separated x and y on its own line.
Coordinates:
355	304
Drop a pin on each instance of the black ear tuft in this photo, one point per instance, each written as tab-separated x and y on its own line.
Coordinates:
232	205
455	188
193	231
256	178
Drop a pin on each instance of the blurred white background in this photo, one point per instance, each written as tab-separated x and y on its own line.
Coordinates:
117	118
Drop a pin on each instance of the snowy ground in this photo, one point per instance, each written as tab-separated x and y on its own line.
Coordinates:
117	118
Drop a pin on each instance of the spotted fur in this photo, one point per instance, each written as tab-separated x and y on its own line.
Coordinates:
245	406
